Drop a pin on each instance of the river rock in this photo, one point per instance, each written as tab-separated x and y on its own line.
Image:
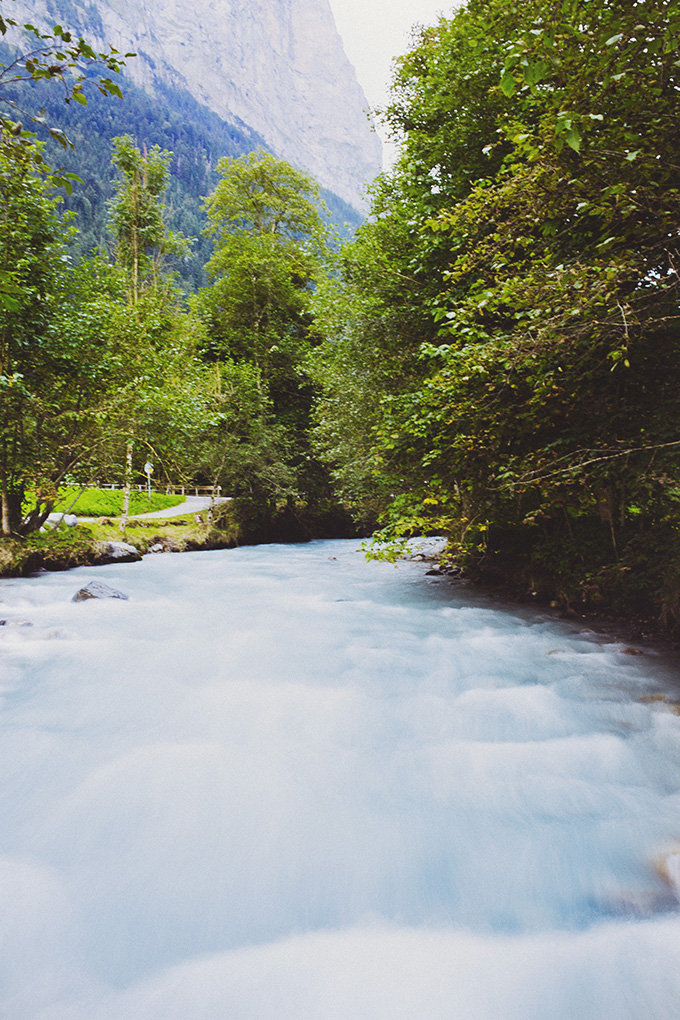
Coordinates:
117	552
54	520
98	590
668	868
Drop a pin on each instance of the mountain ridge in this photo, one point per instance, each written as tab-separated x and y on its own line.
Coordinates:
276	67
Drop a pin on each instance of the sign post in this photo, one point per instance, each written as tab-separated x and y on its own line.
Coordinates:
148	469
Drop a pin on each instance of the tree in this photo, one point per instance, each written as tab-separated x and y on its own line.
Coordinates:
64	363
538	196
562	269
380	313
141	241
32	263
79	364
240	447
271	247
57	57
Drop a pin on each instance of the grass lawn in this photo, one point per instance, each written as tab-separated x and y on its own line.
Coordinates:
109	502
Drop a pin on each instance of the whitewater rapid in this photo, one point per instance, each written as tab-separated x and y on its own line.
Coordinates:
282	783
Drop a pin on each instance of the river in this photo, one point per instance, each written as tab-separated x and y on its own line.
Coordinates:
282	783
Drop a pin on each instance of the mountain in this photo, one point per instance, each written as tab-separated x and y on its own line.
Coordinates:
269	68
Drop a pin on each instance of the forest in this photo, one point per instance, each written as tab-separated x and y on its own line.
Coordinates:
493	356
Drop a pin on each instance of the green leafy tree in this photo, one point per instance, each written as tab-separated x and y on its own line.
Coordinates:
539	183
141	242
63	363
58	57
379	311
32	264
554	320
271	246
240	448
91	354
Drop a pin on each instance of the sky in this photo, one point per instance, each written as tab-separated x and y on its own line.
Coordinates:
376	31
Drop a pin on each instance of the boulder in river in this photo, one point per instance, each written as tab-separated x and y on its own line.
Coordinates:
97	590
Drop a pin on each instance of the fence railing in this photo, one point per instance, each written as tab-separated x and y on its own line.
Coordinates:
169	489
193	490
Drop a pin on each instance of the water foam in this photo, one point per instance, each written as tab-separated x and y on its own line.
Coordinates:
275	785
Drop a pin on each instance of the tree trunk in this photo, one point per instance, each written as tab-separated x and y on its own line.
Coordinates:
6	516
126	488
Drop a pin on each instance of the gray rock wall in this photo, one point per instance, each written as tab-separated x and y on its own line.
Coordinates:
276	65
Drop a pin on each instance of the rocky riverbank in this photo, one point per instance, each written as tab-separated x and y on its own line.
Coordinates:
101	542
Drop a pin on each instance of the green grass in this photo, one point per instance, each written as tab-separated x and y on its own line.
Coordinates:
109	502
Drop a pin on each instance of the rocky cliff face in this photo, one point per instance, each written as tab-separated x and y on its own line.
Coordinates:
277	66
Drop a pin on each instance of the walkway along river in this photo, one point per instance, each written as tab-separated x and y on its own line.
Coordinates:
281	783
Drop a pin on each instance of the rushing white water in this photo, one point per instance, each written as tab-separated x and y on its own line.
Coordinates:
281	783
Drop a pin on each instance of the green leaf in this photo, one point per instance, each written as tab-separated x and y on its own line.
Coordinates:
109	86
64	181
508	85
59	136
573	139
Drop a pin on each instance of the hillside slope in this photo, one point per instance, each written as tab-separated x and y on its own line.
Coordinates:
276	68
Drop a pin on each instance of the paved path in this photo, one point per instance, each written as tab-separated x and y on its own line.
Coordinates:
191	505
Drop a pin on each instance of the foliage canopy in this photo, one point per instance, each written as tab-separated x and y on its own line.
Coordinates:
529	233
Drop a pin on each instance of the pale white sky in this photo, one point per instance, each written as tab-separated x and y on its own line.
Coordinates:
375	31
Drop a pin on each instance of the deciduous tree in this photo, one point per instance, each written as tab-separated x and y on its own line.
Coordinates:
271	249
538	202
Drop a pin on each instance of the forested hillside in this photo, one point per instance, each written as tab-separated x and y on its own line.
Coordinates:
503	362
171	119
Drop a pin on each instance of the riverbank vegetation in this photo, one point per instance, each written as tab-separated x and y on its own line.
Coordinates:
502	363
493	356
99	541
